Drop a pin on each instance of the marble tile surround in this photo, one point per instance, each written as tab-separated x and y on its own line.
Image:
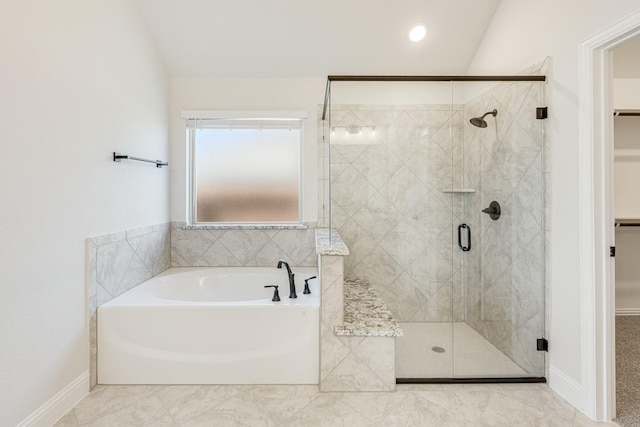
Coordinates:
117	262
387	203
481	405
348	363
228	247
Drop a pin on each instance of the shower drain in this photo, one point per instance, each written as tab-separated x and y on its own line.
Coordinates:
438	349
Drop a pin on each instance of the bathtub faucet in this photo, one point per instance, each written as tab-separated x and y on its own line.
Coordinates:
292	283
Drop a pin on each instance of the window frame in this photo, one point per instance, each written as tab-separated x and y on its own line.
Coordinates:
194	115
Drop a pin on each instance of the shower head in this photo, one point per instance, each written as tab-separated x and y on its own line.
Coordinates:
480	121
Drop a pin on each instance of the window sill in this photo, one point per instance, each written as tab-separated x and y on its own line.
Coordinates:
245	227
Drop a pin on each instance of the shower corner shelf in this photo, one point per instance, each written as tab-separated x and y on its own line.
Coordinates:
459	190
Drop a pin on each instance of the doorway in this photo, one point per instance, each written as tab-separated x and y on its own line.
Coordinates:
597	219
626	172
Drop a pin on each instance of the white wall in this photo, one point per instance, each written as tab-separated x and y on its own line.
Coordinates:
79	80
244	94
522	33
626	94
627	207
408	93
627	167
396	93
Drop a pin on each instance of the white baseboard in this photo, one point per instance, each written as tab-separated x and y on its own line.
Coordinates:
566	387
55	408
627	311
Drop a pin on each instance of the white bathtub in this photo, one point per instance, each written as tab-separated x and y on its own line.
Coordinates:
211	326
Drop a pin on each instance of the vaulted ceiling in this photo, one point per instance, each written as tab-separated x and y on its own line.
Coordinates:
304	38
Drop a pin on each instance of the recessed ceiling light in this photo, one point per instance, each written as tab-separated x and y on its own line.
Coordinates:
417	32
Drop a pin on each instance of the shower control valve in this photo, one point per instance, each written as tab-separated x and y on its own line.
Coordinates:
493	210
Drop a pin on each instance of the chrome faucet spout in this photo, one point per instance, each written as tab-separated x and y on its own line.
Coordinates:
292	283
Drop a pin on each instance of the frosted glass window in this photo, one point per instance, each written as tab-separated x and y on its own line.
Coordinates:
246	171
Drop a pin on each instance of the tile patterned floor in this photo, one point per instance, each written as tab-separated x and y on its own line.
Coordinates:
435	405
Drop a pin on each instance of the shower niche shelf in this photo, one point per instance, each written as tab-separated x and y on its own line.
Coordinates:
459	190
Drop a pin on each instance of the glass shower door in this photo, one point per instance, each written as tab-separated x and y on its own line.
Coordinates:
503	156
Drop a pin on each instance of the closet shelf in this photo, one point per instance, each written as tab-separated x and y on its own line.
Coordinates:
627	222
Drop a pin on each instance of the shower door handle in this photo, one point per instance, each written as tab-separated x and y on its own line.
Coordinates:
466	248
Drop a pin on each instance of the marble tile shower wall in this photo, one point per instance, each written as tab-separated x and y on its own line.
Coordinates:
387	204
117	262
504	270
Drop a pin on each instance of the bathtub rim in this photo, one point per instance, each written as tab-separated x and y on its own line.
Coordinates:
143	295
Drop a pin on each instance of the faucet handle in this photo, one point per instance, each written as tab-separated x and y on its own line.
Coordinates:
306	285
276	295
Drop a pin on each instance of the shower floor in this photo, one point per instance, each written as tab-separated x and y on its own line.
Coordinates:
419	353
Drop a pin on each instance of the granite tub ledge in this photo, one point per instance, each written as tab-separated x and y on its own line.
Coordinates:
365	313
329	242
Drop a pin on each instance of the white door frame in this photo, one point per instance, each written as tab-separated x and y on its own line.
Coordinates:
596	215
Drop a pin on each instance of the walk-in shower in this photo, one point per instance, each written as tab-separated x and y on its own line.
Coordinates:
445	219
